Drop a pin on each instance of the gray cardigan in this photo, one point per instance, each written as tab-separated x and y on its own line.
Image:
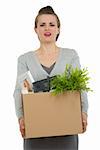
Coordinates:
30	62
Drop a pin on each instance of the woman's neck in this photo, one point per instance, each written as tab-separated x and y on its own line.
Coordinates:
48	48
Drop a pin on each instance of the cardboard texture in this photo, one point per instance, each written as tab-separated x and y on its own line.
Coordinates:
48	115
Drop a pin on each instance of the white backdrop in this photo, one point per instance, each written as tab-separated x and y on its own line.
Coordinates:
80	30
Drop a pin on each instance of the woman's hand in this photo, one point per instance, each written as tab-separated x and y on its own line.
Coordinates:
21	120
22	126
27	84
84	121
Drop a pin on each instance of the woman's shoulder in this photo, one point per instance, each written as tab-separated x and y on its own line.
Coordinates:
69	51
25	55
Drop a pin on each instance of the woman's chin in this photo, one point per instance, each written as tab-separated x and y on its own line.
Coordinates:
48	41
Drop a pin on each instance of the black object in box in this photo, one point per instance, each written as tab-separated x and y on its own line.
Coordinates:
42	85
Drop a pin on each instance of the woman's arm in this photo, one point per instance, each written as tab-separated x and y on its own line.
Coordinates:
21	69
76	63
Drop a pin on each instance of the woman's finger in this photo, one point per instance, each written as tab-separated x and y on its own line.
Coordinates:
26	84
84	125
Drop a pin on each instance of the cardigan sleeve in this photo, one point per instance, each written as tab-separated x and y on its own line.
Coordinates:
21	69
76	63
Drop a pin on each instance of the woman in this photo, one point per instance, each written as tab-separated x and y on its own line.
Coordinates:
47	60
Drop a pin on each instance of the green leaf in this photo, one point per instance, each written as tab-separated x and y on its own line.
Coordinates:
72	79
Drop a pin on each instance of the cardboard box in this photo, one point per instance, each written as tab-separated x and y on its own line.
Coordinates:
48	115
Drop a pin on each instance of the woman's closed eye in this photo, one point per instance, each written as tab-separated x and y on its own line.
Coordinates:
41	25
52	25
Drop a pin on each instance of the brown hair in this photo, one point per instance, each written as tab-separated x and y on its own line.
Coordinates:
47	10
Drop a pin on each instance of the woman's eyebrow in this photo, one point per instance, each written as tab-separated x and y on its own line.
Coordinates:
52	23
45	23
42	23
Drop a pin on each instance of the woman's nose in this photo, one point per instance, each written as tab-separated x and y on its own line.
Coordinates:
46	27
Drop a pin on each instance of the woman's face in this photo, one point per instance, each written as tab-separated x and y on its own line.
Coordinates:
47	28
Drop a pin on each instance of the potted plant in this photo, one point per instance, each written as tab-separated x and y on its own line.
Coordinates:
73	79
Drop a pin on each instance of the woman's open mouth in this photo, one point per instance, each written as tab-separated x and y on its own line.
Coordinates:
47	34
